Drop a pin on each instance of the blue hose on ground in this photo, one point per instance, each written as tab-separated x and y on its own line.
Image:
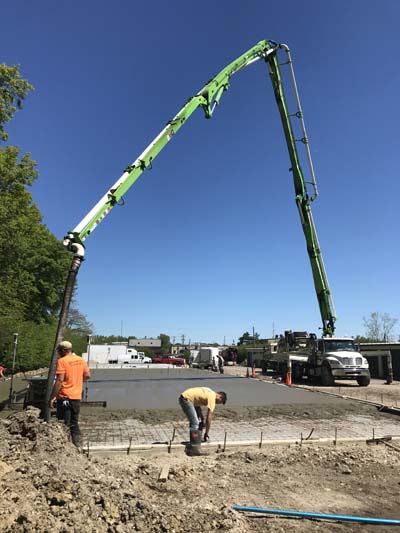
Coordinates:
342	518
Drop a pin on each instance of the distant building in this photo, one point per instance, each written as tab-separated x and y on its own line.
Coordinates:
154	344
378	353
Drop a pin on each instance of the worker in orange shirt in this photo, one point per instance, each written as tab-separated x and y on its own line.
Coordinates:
71	372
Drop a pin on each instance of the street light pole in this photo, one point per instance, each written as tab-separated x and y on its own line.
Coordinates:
89	340
13	367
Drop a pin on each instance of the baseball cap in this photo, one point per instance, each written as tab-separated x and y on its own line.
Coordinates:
64	346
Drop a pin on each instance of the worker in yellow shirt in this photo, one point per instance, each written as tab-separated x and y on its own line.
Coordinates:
191	401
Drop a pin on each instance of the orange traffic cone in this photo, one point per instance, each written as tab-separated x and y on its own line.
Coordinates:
247	373
253	372
288	379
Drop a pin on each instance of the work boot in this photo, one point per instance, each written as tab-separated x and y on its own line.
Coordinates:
76	440
193	449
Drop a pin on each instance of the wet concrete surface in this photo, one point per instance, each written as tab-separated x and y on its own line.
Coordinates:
160	389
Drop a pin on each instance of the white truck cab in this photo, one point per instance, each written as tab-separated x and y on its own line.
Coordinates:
131	357
324	359
339	358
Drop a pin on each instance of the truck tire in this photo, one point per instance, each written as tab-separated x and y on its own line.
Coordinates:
264	368
297	373
326	376
363	381
282	369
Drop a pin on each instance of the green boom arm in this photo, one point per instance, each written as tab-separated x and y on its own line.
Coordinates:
207	98
302	198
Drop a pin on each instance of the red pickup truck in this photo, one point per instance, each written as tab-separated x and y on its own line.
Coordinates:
169	360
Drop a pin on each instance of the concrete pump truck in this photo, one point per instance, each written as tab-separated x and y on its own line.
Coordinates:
208	98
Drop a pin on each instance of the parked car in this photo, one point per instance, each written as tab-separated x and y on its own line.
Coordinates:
169	360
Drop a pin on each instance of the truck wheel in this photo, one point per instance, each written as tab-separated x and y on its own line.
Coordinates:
326	376
297	373
363	381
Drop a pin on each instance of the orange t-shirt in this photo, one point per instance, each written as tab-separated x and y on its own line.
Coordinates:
74	369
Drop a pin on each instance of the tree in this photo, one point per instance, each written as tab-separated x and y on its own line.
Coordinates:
165	343
247	339
379	327
241	355
33	263
13	90
78	323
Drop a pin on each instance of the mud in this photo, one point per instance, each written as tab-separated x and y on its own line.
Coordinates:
46	484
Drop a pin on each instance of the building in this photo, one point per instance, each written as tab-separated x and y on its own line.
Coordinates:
149	344
381	356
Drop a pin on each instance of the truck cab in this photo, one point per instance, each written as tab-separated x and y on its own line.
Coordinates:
333	358
323	359
131	357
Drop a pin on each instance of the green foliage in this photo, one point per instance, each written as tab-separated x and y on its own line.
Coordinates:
165	343
247	339
360	338
33	263
185	354
78	323
35	343
13	90
241	355
109	339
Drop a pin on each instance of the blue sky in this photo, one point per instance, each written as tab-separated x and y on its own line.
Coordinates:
209	243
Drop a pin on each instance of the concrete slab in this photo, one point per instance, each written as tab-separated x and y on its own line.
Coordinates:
160	388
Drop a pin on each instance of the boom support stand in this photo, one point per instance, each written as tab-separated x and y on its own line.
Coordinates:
62	322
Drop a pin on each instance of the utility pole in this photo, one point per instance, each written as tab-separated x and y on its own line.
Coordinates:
13	367
89	340
183	340
122	325
254	339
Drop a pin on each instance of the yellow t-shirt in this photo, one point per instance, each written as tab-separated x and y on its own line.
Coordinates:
200	396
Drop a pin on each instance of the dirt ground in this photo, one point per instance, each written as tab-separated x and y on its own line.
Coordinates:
46	484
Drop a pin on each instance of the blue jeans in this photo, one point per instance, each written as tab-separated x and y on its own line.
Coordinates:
68	411
193	413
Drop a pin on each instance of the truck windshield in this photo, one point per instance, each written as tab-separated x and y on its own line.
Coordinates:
337	345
